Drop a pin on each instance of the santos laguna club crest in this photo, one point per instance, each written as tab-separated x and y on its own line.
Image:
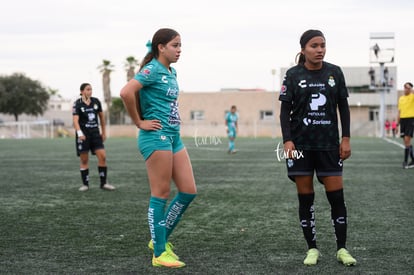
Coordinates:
331	81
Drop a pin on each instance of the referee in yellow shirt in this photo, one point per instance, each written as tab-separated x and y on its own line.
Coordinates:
406	122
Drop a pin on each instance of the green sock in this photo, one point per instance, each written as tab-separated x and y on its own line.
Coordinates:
156	224
231	145
176	209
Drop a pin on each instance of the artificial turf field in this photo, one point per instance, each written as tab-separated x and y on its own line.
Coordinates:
243	221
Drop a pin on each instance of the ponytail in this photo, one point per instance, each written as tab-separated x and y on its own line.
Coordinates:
300	58
148	57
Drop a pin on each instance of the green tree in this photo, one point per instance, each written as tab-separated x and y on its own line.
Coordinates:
117	111
21	95
130	65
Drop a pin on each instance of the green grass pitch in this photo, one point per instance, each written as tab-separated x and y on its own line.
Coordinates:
243	221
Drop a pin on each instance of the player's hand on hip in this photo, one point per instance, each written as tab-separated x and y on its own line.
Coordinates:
150	125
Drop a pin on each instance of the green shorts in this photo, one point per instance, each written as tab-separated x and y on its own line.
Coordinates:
150	141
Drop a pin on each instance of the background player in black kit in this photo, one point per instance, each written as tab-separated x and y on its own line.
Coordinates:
311	94
87	114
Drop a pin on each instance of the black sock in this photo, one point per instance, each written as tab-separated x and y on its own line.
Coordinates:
411	153
85	176
307	218
338	215
406	153
102	174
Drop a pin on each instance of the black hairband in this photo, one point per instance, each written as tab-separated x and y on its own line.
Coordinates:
308	35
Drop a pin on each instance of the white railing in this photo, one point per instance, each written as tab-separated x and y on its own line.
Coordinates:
30	129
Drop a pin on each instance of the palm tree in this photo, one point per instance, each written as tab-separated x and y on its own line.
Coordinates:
106	68
130	65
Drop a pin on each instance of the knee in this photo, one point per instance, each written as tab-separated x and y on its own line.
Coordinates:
161	193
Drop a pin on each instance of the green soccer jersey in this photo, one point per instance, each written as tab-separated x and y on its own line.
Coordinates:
314	95
158	97
231	120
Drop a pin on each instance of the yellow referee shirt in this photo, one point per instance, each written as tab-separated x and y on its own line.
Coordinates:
406	106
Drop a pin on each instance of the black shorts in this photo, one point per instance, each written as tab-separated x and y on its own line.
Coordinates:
92	143
407	127
324	163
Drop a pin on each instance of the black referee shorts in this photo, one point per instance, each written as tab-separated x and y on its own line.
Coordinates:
324	163
407	126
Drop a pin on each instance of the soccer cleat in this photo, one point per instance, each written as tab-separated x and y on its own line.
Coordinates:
311	257
84	188
168	248
108	187
410	165
344	257
166	260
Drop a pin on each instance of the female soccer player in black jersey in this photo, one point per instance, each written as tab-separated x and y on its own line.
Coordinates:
87	114
310	96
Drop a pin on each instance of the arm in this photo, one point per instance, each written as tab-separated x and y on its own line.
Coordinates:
225	123
398	118
103	126
77	127
345	146
285	109
129	95
236	123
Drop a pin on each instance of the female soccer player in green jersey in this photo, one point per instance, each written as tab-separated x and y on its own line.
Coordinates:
231	119
151	101
311	94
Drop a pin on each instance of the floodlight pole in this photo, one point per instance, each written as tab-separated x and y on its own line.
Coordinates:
382	101
382	86
273	71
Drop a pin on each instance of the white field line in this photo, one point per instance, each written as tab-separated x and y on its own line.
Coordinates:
394	142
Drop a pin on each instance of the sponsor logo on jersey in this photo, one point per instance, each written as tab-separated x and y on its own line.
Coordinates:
331	81
172	91
91	116
315	116
308	121
317	101
302	84
164	79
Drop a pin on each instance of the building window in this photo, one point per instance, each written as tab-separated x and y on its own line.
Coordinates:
373	114
197	115
266	115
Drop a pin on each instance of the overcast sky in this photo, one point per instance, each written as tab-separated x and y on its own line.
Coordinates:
226	43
